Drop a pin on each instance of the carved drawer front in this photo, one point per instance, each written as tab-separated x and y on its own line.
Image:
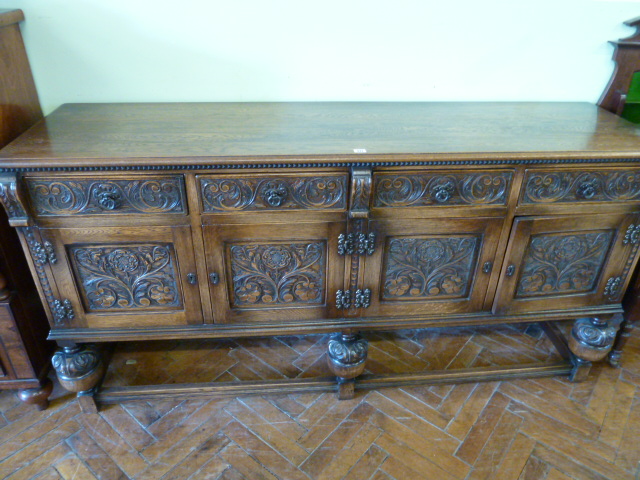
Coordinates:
441	189
561	262
435	266
107	277
162	194
256	193
554	186
273	273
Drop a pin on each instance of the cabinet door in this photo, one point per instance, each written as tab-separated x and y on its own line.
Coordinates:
126	277
274	272
437	266
555	263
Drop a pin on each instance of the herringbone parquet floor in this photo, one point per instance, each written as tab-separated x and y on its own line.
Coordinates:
526	429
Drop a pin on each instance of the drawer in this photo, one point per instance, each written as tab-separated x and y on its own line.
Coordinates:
441	188
104	195
254	193
549	186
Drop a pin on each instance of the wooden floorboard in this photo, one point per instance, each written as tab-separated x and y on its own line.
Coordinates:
525	429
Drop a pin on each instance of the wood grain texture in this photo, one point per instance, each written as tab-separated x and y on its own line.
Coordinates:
80	134
538	429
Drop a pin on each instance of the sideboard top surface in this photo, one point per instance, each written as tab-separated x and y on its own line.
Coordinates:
221	133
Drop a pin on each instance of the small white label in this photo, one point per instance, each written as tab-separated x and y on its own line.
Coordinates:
359	150
131	362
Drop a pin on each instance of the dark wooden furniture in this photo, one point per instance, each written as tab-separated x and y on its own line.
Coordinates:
24	352
174	221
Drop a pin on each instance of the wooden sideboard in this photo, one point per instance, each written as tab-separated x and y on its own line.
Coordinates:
175	221
24	351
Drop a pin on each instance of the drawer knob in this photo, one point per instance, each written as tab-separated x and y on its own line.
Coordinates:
586	190
486	268
275	194
214	278
442	193
511	269
108	200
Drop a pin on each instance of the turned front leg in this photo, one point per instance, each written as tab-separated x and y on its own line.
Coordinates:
79	369
591	339
347	354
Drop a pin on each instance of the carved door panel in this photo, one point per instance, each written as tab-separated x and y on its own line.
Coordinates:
437	266
557	263
274	272
123	277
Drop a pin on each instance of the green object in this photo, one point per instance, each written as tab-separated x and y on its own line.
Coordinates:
631	109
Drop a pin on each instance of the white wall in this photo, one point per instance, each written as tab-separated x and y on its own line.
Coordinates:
273	50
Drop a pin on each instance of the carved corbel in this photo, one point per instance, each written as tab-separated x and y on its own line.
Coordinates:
360	198
13	200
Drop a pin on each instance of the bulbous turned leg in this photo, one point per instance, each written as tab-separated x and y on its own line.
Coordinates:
347	354
38	396
591	340
79	369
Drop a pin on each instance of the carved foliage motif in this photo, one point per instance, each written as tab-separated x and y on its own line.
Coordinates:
127	276
347	349
74	363
229	194
447	189
594	333
427	267
594	186
278	274
567	263
91	197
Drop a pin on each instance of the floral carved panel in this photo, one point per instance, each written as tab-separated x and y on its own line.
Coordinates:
418	268
234	194
277	274
485	188
123	277
151	195
593	186
556	264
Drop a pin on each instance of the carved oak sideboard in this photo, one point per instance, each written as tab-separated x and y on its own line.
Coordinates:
175	221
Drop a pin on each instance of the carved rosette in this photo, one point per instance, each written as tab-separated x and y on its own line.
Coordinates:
78	368
563	264
347	355
436	189
418	268
593	186
591	338
226	194
151	195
